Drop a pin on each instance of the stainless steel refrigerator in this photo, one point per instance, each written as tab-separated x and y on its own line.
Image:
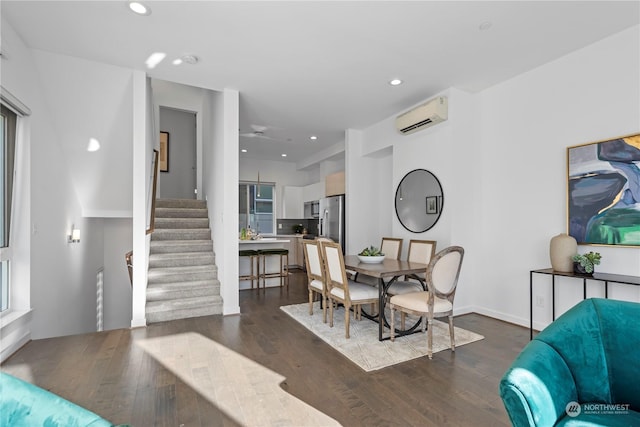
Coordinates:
331	222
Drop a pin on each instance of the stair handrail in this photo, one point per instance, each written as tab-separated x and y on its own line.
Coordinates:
152	219
128	258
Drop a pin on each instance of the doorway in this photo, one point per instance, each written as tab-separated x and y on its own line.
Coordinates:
178	174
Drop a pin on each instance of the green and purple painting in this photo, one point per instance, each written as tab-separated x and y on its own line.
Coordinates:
604	192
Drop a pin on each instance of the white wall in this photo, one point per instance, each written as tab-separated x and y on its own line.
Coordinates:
61	278
527	123
220	188
501	159
87	100
117	297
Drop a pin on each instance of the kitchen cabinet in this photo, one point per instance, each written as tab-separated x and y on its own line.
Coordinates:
300	253
334	184
292	203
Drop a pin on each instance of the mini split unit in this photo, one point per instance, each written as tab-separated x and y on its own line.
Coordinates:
423	116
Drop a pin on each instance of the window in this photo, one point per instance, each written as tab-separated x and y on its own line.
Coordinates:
257	207
7	149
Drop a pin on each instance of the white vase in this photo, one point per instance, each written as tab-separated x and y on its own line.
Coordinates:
561	248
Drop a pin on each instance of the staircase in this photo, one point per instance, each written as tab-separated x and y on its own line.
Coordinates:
182	278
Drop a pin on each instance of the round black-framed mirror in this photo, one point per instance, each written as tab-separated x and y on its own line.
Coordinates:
419	200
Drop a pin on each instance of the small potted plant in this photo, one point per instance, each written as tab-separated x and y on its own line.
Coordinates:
371	255
583	263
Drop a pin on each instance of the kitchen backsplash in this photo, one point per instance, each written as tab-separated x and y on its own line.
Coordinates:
288	225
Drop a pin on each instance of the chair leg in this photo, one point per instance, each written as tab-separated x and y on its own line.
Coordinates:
324	308
393	328
310	302
453	340
402	320
347	319
330	312
430	337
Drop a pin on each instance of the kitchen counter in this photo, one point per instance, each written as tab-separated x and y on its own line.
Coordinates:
264	240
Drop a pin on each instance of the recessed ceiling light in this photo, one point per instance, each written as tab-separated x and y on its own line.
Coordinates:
189	59
139	8
283	155
485	26
94	145
154	59
244	150
313	137
177	61
395	82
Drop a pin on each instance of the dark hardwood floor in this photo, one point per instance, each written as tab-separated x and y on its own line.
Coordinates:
110	375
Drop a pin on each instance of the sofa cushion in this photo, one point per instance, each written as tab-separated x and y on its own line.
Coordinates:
577	337
620	325
539	381
24	404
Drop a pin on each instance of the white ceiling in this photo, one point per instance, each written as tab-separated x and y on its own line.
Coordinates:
320	67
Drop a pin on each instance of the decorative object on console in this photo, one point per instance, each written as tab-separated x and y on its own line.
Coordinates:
561	249
584	263
604	192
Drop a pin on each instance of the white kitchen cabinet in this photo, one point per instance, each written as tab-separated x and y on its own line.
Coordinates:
313	192
292	203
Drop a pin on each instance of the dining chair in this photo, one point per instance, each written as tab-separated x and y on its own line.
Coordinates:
315	275
442	280
342	290
419	251
391	247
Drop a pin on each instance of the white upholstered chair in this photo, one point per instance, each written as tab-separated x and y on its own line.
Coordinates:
391	247
342	290
419	251
315	275
442	279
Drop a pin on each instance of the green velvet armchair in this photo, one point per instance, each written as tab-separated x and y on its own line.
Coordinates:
581	370
25	405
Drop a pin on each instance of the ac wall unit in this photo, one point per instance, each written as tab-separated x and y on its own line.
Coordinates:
423	116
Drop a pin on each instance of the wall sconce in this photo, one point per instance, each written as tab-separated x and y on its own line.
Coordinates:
74	237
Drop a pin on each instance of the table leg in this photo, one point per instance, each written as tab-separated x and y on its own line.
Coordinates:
381	304
530	305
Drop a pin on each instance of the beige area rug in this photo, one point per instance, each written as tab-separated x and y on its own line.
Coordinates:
364	349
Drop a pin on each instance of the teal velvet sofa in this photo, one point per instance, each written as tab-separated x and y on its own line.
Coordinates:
581	370
25	405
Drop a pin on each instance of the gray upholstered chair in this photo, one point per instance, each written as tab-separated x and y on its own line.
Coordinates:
342	290
442	280
315	275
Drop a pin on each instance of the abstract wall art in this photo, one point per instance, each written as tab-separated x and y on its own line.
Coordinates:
604	192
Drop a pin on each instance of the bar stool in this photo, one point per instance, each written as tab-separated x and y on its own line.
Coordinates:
254	275
283	272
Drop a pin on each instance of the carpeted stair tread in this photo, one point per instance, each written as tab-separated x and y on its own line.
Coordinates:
181	203
181	213
179	290
181	259
181	234
177	246
175	274
160	311
181	223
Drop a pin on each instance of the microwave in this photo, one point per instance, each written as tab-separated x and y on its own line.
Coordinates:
312	209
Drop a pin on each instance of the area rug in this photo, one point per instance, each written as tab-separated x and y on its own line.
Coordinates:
364	349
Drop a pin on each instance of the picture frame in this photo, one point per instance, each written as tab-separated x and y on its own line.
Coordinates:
603	188
432	204
163	160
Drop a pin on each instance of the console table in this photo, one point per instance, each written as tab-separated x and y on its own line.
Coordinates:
601	277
